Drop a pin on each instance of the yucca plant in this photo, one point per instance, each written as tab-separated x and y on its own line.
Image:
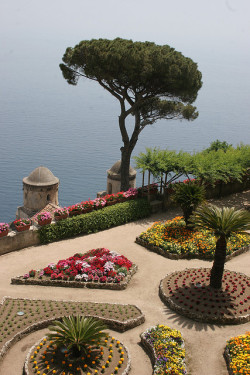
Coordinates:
77	333
188	195
222	222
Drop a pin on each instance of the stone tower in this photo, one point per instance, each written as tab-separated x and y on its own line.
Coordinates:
114	178
39	189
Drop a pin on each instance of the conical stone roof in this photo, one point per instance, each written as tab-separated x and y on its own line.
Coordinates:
41	176
116	169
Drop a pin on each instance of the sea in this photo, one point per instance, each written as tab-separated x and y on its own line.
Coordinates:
73	130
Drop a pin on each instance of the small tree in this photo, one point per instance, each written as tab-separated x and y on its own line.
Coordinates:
77	334
151	82
218	145
188	195
223	222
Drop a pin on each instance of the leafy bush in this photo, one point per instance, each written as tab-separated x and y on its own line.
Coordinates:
77	334
188	196
95	221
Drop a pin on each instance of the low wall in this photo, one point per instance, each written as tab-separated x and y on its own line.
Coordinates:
219	190
222	189
19	240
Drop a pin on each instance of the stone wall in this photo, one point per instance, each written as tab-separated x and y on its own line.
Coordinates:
19	240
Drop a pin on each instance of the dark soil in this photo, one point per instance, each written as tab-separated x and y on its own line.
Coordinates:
111	358
188	292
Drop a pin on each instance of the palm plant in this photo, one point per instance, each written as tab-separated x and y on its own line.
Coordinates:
223	222
188	195
77	334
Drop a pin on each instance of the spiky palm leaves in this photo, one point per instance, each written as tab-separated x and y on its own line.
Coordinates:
223	222
188	196
77	333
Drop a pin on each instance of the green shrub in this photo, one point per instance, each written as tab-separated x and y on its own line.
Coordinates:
95	221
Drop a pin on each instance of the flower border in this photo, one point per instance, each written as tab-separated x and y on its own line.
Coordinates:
19	280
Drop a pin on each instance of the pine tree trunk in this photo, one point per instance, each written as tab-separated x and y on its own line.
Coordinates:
219	262
125	163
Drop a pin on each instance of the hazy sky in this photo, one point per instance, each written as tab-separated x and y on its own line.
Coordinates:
186	25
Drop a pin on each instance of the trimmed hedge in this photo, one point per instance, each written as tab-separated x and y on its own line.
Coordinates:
120	213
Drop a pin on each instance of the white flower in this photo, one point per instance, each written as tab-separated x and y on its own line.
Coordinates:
113	254
109	266
85	265
79	277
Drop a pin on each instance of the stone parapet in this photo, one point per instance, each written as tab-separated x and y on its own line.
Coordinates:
19	240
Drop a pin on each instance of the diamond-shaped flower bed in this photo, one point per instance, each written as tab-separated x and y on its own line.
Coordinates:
97	268
45	358
188	293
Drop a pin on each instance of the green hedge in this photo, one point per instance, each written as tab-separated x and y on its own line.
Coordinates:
120	213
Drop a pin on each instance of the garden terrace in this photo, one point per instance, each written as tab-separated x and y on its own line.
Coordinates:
200	338
19	317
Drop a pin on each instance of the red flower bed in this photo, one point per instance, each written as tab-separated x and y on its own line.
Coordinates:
97	265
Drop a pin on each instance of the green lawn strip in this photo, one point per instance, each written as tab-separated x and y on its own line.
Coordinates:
19	317
95	221
173	240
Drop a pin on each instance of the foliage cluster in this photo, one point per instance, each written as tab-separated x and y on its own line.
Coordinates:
188	196
95	221
22	222
77	333
208	166
4	227
239	349
174	237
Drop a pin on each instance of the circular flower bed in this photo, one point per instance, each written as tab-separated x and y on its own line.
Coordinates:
237	354
166	349
188	292
96	268
173	239
45	358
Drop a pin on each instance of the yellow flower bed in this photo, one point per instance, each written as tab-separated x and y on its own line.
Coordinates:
174	237
169	350
239	353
